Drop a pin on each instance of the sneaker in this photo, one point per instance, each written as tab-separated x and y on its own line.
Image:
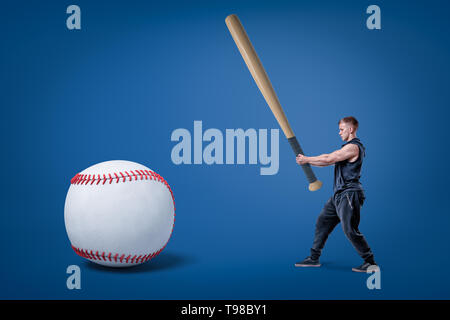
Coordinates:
364	267
308	262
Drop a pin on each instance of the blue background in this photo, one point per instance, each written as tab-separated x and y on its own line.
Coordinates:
137	70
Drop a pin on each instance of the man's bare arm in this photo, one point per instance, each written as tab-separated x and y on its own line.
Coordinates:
320	161
347	152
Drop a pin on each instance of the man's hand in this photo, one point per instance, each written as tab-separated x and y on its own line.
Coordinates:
301	159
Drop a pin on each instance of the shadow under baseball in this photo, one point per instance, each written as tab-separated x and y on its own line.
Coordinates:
164	261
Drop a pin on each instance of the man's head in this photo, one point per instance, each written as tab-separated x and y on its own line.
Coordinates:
347	128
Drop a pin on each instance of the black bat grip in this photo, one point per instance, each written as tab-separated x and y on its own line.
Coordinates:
306	167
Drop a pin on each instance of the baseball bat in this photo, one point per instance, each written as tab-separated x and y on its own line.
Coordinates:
256	68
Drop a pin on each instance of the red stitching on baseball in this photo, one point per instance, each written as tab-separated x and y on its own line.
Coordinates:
84	179
136	259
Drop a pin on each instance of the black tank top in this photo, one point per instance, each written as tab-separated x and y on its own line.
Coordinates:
347	174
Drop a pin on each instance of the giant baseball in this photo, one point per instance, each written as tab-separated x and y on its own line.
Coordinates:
119	213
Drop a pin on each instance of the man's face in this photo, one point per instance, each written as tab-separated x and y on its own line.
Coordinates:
344	131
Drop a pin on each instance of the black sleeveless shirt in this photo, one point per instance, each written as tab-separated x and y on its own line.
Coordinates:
347	174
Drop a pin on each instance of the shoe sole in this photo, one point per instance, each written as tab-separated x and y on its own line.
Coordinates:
308	265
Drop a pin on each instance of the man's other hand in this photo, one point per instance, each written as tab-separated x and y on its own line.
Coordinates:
301	159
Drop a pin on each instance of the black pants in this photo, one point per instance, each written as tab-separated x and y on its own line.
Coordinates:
343	207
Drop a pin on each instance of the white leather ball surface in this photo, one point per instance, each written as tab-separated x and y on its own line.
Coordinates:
119	213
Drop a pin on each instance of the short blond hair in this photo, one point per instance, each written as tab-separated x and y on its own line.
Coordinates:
351	120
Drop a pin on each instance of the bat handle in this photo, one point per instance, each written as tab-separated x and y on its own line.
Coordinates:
314	184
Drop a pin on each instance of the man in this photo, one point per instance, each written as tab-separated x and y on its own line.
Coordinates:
345	204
